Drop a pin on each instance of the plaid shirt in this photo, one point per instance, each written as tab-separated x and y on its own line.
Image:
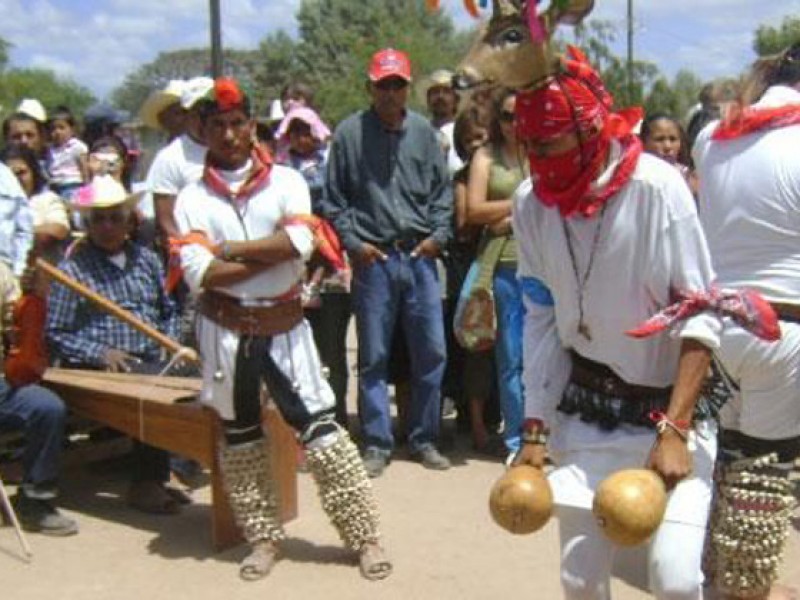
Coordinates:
79	332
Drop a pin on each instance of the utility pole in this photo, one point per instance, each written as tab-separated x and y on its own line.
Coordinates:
630	52
216	40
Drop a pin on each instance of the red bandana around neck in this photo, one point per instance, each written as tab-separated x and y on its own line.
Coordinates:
744	121
576	101
257	180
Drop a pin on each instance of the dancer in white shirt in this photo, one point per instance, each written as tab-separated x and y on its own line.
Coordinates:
749	201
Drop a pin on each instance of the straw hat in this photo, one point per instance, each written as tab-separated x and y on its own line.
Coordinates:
439	78
159	100
103	192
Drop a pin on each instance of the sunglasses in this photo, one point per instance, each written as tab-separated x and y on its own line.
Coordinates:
507	116
394	84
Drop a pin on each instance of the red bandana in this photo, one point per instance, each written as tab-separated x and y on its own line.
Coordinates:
576	101
747	308
256	181
749	120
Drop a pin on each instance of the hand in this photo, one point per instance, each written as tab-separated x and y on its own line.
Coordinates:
501	227
670	458
368	254
531	454
427	248
117	361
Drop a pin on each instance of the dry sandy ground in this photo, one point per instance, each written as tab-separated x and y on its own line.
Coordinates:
436	526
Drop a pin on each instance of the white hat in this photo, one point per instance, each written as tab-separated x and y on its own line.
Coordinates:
159	100
103	192
276	111
195	89
33	108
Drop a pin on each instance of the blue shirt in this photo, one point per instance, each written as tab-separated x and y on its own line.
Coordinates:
79	332
16	222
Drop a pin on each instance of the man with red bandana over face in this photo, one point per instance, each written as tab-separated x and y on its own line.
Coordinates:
247	229
607	237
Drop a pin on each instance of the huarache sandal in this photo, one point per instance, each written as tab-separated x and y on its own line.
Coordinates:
259	562
373	562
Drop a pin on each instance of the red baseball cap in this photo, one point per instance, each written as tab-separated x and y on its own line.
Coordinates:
389	63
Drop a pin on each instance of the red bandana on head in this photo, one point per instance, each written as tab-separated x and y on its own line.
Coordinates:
576	101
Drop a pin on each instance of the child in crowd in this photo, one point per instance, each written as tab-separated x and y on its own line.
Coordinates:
67	154
664	137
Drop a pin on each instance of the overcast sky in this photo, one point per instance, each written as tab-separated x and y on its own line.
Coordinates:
97	42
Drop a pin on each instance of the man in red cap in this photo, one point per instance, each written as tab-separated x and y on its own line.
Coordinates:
607	236
388	196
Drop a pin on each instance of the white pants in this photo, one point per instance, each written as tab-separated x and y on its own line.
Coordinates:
587	556
768	375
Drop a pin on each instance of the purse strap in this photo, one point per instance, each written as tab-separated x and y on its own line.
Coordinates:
487	258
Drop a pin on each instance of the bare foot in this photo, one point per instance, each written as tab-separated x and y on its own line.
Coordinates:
260	561
373	562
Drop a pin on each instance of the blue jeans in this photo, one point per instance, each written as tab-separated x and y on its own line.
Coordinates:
41	414
406	288
508	353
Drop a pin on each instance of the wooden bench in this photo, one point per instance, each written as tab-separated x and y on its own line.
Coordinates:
163	412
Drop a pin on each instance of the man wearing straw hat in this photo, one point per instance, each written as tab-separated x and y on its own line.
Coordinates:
442	101
162	110
81	336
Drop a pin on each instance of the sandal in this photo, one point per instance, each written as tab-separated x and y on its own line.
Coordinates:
151	497
373	562
260	561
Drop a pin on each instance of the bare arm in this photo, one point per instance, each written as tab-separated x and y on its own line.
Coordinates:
669	456
481	211
164	205
270	250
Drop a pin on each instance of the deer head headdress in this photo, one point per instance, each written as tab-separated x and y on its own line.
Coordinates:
557	96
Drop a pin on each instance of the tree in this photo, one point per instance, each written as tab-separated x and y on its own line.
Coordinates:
771	40
4	48
337	38
180	64
595	38
50	89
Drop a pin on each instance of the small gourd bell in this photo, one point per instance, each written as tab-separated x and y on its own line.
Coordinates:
219	376
295	386
326	372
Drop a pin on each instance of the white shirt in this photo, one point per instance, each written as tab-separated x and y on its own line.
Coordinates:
454	163
198	209
64	165
48	208
750	204
650	242
176	166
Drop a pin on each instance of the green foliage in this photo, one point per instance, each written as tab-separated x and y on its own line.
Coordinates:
337	39
771	40
50	89
181	64
4	48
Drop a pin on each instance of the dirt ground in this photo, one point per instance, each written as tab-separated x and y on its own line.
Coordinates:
436	524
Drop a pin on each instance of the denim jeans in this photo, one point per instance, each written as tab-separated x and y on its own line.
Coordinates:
407	289
42	415
508	353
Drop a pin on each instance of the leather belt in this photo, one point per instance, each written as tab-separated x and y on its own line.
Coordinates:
228	312
787	312
403	245
600	378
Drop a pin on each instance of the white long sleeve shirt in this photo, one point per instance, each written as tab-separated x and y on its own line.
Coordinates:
650	243
750	204
199	209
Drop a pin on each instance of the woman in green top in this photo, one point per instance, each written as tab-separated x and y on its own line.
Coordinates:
497	169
